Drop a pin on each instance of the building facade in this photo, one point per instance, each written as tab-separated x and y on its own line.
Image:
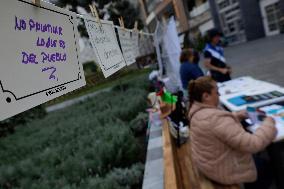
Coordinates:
159	10
246	20
239	20
200	19
272	12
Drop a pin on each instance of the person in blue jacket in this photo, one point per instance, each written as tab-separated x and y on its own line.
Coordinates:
189	69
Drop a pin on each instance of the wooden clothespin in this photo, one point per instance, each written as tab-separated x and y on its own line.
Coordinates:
37	2
141	34
135	26
121	22
95	14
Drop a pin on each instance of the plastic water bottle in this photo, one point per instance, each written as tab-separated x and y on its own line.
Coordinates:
252	113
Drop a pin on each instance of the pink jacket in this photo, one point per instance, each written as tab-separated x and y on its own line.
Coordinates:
221	149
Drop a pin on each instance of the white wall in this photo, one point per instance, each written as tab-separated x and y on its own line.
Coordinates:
203	28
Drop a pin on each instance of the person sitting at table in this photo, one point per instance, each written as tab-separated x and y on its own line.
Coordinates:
221	149
189	69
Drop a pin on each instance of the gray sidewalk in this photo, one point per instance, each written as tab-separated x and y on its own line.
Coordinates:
154	168
74	101
262	59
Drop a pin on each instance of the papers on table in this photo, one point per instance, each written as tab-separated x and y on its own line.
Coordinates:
238	93
277	112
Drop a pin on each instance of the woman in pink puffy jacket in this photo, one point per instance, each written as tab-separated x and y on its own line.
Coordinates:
221	149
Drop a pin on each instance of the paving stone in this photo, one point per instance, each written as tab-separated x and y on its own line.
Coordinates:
154	153
155	142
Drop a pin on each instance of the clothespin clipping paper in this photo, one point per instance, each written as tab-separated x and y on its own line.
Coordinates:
135	26
121	22
95	14
36	2
141	34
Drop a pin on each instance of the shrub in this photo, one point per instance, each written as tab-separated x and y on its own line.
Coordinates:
88	145
139	124
8	126
90	68
119	178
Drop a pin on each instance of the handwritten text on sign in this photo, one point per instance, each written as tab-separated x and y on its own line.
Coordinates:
126	45
105	46
50	42
39	55
134	37
146	46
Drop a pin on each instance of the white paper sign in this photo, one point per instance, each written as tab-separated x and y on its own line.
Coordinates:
105	45
135	36
144	47
126	45
150	45
39	55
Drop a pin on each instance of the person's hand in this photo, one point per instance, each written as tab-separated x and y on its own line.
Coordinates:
230	70
224	70
270	120
242	114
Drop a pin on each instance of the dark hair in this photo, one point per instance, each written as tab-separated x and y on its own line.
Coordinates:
196	57
213	33
185	54
198	87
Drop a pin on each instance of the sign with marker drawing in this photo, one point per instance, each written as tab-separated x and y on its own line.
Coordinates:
135	37
126	45
39	55
144	46
105	45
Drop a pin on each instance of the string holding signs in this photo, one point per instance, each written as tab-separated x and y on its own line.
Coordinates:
39	55
126	44
103	39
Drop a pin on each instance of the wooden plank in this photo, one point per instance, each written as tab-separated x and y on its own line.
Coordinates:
170	178
187	174
179	170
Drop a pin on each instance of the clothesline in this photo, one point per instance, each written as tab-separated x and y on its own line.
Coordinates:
119	27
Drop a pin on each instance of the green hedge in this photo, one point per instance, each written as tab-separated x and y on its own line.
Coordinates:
88	145
8	126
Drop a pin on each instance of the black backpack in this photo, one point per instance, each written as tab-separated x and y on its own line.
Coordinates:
179	115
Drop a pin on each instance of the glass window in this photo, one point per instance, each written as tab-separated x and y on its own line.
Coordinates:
231	27
224	4
272	27
273	15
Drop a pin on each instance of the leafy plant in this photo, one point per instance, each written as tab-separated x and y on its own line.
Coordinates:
88	145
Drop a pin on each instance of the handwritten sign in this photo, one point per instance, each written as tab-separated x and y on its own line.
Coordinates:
135	37
39	55
146	46
143	45
126	45
150	42
105	45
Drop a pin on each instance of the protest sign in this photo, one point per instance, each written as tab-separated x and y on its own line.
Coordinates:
105	45
126	45
134	37
39	55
